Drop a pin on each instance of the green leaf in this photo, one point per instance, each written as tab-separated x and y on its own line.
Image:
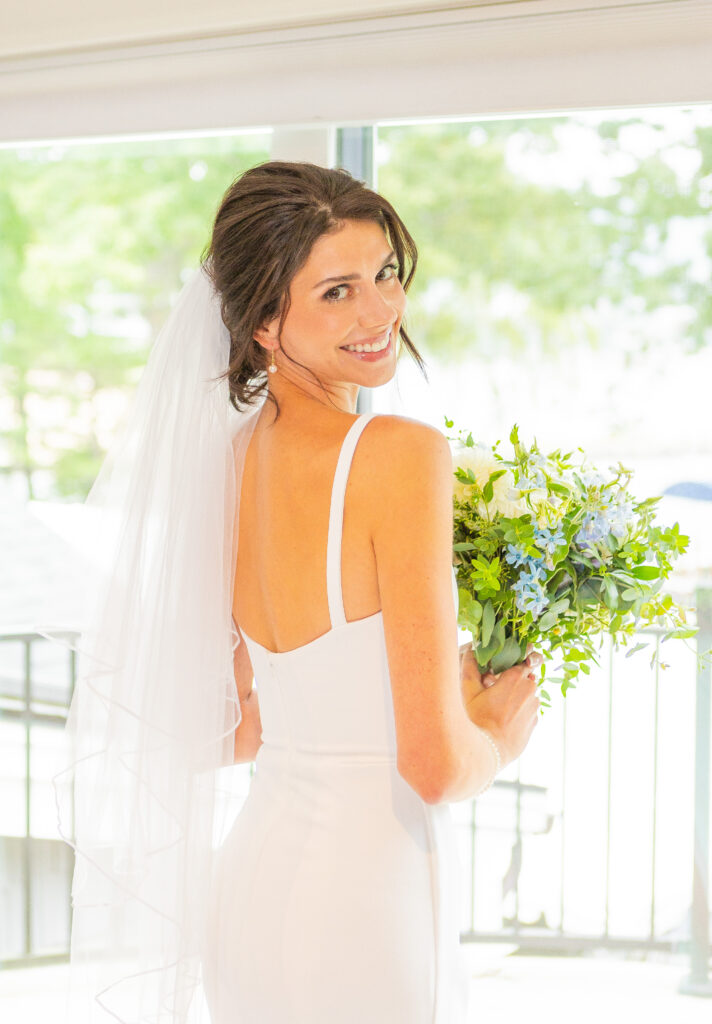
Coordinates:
487	622
509	655
588	593
548	619
646	572
488	491
611	592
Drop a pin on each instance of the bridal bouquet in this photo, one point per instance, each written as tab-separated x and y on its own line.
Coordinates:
549	550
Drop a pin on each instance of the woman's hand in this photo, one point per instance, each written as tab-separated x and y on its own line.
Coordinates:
505	704
471	680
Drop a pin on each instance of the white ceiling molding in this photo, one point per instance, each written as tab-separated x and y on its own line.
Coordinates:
456	61
38	26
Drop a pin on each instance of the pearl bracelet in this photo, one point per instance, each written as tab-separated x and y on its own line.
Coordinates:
497	760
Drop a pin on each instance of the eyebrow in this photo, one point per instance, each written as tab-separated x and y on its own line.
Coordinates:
353	277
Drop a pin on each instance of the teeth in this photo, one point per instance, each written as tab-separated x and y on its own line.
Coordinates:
377	347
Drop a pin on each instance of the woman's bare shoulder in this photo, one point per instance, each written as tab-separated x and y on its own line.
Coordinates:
393	431
396	446
405	478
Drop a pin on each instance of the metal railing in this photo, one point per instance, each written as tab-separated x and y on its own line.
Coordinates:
26	701
29	703
559	939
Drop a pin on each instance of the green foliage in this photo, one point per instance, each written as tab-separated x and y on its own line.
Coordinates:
93	242
486	231
94	238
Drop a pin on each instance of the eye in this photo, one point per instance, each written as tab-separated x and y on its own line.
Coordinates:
393	267
334	294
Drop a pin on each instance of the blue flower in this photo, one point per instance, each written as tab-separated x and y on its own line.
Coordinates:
529	592
592	478
535	574
527	483
621	515
595	527
533	567
549	540
515	556
530	596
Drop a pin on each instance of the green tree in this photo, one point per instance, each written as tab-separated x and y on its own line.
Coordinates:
93	241
508	262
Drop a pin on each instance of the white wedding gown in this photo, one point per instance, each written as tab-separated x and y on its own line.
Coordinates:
336	894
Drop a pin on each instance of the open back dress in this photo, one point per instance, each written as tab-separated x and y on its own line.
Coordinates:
336	891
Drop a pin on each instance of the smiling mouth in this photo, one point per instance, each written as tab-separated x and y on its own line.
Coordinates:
379	345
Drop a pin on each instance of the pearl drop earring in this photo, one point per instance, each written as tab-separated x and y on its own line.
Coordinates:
272	365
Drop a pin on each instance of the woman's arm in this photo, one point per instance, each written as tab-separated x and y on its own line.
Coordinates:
248	735
442	753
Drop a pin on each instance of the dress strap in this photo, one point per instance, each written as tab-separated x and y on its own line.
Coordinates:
336	521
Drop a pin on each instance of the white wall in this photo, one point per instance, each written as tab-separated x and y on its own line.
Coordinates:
446	61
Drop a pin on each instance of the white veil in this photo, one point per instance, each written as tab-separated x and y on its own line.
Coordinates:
155	706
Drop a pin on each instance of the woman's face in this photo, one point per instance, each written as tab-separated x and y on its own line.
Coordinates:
346	294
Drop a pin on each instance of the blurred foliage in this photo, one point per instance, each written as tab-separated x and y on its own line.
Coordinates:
509	261
517	252
93	241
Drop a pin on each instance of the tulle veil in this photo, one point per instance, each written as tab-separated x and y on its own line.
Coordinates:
150	726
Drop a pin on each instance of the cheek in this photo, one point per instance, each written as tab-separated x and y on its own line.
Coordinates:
400	300
314	319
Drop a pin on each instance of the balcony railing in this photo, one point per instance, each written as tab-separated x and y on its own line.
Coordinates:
526	806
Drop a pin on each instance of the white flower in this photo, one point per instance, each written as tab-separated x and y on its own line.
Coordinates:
481	460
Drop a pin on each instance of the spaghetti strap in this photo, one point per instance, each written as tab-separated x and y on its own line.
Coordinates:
336	521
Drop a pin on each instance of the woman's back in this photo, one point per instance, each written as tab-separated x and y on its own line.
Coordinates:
284	502
337	890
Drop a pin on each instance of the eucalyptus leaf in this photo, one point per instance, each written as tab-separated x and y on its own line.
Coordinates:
611	592
487	622
548	619
509	655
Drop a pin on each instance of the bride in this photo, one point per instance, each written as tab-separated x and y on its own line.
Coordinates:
319	542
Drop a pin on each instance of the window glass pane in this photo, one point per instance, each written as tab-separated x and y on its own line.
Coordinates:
563	285
12	778
49	755
98	236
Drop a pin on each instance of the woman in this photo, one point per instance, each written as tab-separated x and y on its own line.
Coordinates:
320	542
335	897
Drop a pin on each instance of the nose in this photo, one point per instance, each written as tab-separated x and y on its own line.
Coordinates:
376	312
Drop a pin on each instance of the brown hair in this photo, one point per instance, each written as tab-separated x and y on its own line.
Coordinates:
264	229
